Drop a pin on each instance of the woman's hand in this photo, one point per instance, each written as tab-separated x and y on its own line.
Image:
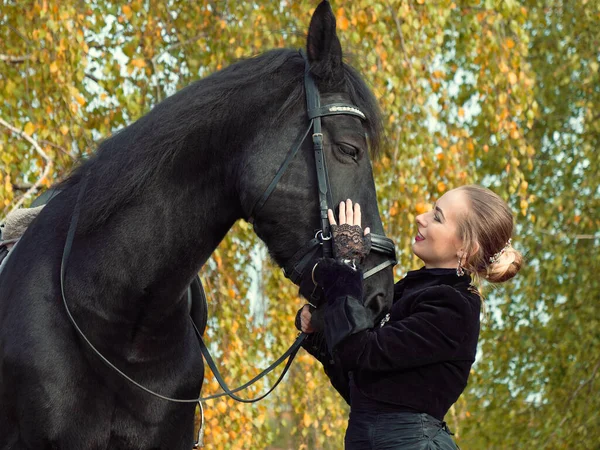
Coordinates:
305	316
348	215
350	243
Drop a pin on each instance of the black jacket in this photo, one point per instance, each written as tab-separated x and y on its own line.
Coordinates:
420	359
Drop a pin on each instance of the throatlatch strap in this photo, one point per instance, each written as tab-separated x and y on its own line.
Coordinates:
297	264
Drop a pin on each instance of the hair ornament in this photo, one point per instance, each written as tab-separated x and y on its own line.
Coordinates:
494	259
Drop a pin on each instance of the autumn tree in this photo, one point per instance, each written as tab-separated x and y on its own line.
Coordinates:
497	92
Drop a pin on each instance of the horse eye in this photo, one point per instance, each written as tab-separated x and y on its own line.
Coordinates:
349	150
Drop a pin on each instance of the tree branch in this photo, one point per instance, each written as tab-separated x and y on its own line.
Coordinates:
33	189
58	147
561	235
400	34
93	78
14	59
22	187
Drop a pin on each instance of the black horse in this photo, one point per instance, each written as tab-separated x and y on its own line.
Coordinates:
160	196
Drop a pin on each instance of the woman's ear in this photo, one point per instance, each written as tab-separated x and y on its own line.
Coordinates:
462	252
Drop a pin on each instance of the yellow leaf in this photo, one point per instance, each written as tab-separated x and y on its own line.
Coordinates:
512	78
306	421
53	67
138	62
510	43
343	23
441	186
461	112
127	11
421	208
64	130
8	185
29	128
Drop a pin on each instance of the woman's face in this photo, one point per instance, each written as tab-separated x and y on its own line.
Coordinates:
437	242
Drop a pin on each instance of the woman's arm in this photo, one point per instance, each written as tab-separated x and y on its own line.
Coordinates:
440	320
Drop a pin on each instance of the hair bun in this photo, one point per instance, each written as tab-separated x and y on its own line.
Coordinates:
508	265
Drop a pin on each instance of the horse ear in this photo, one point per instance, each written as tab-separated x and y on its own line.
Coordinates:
323	47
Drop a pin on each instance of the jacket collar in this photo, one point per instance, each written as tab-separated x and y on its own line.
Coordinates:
415	280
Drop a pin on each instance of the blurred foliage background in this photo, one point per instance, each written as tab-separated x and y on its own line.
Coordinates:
504	93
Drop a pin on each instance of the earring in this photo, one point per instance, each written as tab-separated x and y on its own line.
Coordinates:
459	270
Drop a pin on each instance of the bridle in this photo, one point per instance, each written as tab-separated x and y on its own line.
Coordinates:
294	269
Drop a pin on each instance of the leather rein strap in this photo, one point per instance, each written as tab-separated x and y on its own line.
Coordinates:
290	353
293	269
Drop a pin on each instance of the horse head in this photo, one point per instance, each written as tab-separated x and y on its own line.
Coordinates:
282	194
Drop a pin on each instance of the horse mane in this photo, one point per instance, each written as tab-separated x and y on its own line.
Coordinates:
153	141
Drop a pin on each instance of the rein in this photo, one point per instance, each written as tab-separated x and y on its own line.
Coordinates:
294	269
289	354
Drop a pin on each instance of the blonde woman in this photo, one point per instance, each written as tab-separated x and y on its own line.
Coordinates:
405	372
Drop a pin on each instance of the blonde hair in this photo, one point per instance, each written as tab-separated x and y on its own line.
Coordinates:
485	231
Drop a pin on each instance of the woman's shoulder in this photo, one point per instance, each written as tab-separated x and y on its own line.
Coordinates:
450	296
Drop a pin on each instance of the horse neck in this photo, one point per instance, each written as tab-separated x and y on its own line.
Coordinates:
160	239
139	263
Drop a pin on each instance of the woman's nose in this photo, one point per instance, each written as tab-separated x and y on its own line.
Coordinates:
421	220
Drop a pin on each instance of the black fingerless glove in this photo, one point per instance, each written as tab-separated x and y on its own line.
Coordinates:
350	243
